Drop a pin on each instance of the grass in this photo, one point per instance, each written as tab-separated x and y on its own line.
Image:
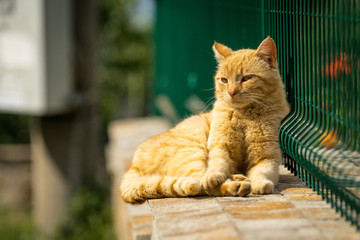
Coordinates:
89	218
16	224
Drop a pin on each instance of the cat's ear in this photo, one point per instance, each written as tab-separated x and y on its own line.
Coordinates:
221	51
267	51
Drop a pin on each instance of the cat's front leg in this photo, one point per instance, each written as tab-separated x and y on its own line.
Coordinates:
264	157
219	163
264	176
218	169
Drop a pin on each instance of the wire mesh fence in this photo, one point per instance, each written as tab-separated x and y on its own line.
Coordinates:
318	52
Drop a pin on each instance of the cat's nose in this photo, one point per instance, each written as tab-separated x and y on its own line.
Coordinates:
232	93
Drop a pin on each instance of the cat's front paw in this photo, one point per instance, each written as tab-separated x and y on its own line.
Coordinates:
235	188
213	179
263	186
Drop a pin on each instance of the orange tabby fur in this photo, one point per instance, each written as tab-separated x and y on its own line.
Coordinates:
231	150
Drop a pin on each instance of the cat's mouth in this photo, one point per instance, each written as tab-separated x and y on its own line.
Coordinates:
242	100
238	100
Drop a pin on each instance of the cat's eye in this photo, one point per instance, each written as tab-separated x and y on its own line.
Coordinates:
247	77
224	80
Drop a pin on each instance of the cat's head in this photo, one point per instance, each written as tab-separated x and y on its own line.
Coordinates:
247	76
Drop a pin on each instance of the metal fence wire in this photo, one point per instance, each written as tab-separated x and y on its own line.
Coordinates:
318	45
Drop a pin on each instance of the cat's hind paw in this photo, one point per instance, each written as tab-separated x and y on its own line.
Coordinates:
240	177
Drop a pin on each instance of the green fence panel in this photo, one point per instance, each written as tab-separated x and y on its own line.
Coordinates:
318	46
184	34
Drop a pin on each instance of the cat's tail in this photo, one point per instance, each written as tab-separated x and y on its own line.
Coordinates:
136	189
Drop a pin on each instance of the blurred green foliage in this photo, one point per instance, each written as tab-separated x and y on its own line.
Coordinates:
16	225
89	217
125	70
14	129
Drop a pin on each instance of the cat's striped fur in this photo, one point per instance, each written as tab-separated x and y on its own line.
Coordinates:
231	150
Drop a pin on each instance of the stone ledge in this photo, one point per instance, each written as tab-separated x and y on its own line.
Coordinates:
295	212
292	212
130	222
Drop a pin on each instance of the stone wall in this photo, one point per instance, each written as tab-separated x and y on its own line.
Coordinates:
131	222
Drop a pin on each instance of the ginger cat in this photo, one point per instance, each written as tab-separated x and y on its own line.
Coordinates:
232	150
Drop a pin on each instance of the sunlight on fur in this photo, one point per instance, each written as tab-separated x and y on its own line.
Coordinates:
230	151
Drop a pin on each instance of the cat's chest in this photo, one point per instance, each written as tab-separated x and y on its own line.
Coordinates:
238	123
242	130
237	136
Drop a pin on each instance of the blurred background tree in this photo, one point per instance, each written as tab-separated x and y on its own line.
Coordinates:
125	59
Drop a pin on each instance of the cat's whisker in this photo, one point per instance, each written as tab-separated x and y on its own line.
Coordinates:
207	89
254	100
208	104
260	100
263	103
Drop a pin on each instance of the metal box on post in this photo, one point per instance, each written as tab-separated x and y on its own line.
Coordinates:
36	74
